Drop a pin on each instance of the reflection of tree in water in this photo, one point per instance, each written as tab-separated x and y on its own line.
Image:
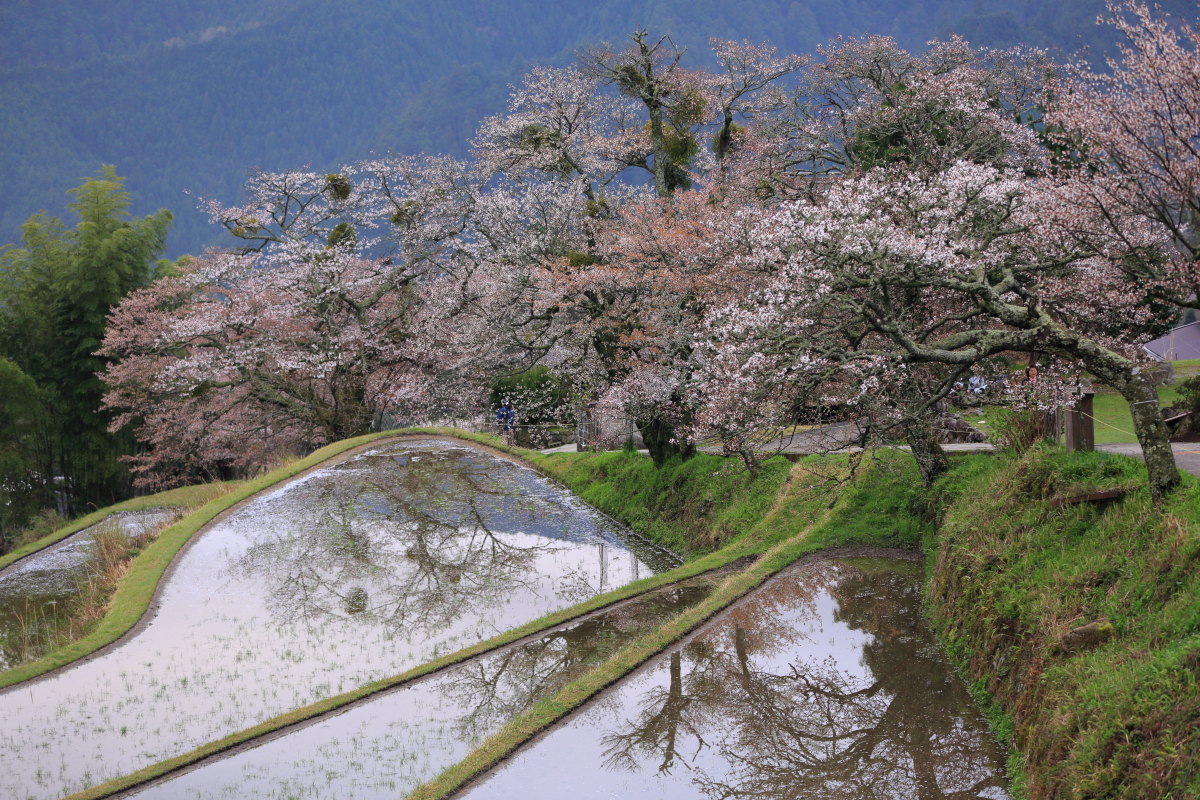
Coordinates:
410	547
674	716
494	690
744	727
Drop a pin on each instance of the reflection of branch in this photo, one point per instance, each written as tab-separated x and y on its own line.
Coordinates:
813	728
407	548
498	688
658	729
834	693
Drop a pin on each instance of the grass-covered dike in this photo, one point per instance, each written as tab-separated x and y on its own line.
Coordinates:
1078	625
709	502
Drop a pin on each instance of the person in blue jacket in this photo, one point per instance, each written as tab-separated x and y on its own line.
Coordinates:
506	420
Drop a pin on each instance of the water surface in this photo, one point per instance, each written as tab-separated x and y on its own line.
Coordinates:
352	573
387	746
825	683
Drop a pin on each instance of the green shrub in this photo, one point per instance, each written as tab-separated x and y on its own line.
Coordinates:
539	396
1016	430
1189	394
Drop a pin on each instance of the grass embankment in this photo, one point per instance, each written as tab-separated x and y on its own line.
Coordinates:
698	505
1113	709
709	502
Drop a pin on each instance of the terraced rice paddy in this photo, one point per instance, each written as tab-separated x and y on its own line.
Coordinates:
36	593
389	744
354	572
824	682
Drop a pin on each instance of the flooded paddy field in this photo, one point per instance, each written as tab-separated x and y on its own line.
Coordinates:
36	593
354	572
389	744
824	683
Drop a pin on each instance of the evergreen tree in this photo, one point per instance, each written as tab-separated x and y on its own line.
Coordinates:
56	290
24	451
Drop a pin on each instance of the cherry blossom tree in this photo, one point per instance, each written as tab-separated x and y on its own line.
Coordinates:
615	306
746	85
1135	132
560	123
233	361
675	101
633	295
862	242
867	107
894	270
346	303
867	102
632	309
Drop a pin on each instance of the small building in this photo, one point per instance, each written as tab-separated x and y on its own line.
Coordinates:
1177	344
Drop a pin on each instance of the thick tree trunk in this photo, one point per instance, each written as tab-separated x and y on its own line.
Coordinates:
921	439
1152	435
659	437
724	138
658	145
1140	391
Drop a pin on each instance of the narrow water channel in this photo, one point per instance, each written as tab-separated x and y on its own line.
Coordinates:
825	683
357	571
388	745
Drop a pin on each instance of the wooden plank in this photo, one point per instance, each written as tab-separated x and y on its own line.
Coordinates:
1093	497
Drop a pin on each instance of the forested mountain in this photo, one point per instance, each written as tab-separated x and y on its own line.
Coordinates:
191	96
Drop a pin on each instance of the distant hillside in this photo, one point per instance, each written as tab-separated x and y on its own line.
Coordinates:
191	96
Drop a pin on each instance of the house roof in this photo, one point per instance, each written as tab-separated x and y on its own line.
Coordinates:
1178	343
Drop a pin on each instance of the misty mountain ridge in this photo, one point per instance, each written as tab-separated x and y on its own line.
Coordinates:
193	97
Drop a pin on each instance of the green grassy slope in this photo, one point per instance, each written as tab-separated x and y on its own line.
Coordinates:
1012	576
709	502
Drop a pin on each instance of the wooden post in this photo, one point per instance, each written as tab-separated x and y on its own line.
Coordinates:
584	431
1081	430
1087	425
1051	422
